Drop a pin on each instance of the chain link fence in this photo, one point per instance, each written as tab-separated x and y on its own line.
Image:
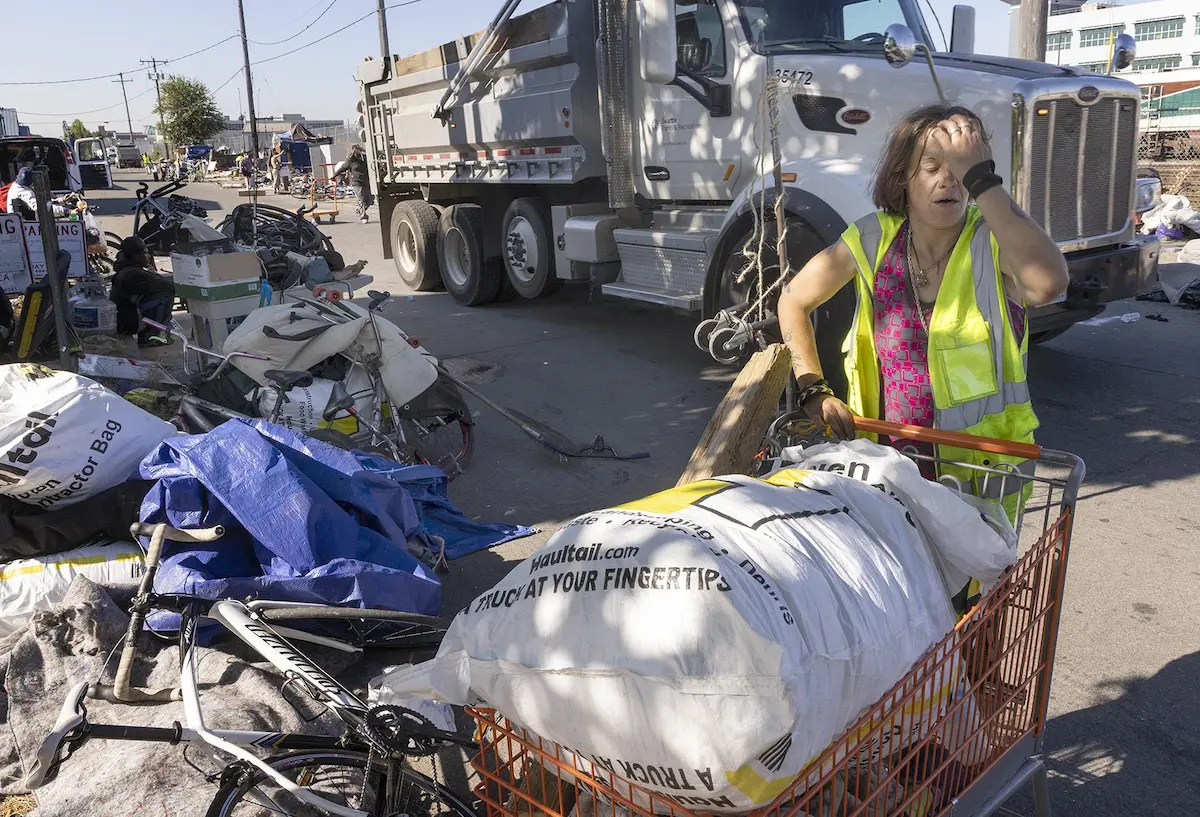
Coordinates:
341	134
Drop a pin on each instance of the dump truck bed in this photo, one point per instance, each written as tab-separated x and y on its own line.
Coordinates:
529	115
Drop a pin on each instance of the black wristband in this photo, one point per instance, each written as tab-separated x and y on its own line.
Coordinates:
984	184
978	172
818	386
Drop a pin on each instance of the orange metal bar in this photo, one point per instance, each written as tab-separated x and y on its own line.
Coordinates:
1028	451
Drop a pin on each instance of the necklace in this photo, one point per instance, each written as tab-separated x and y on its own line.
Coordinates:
912	284
922	273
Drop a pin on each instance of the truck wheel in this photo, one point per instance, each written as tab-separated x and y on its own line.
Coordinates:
528	248
469	278
832	320
414	244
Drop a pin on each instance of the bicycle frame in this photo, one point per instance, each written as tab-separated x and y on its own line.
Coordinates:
269	643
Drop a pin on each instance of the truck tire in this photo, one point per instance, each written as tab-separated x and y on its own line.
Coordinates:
526	241
470	278
832	320
414	244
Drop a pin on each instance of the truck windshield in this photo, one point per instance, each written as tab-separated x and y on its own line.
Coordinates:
783	26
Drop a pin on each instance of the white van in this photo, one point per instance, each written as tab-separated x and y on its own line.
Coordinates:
22	151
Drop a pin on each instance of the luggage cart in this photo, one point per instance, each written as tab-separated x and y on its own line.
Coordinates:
958	735
331	212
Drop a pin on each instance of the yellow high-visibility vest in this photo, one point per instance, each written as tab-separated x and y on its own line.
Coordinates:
976	365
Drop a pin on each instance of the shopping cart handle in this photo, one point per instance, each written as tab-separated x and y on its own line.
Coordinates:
1028	451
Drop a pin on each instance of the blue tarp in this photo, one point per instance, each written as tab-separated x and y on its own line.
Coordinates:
304	521
198	151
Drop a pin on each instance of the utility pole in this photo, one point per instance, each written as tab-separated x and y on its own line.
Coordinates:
384	49
156	76
58	295
1033	29
124	96
249	95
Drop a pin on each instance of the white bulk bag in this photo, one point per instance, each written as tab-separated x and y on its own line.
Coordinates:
709	641
29	585
967	542
64	437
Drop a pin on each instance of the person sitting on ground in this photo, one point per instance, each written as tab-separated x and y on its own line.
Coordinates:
355	169
140	292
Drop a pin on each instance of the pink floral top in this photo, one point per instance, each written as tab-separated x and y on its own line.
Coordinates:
902	343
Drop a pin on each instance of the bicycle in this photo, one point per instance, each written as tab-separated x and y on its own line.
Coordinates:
370	776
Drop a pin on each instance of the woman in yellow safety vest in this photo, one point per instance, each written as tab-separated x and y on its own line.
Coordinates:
939	337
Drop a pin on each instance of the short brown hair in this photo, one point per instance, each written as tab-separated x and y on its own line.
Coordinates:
890	191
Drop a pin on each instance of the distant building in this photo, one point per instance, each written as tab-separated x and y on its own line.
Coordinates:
236	133
1167	33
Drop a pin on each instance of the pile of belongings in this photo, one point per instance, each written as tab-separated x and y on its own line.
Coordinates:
1174	218
290	246
709	641
1178	283
68	450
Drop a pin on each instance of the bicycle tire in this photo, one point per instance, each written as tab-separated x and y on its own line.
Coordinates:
234	791
365	628
420	430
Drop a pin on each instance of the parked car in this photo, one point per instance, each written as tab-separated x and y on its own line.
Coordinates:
93	166
21	151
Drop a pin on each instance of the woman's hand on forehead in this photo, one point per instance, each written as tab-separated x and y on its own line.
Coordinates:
961	144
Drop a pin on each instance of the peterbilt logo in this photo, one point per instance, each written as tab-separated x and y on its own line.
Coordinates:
856	116
1089	93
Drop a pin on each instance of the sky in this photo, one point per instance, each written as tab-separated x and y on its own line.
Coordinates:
316	81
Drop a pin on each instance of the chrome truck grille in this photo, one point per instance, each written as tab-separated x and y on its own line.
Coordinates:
1074	156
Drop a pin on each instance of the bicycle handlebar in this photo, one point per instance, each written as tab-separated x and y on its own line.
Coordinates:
121	690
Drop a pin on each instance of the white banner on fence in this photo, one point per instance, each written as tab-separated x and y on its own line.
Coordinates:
14	266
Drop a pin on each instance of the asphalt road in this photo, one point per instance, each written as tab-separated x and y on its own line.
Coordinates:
1123	730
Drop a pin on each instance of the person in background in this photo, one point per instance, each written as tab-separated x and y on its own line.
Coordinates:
21	190
140	292
354	168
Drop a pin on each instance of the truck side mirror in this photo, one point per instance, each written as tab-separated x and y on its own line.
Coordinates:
962	30
1124	50
658	52
899	45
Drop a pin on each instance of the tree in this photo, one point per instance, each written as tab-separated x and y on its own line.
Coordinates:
189	113
79	130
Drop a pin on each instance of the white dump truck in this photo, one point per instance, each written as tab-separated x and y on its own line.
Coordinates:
623	142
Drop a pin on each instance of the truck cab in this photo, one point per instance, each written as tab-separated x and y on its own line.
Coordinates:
630	144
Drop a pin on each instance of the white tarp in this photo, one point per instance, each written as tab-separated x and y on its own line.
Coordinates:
709	641
406	372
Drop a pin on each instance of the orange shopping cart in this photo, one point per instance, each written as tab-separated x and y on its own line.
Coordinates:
968	755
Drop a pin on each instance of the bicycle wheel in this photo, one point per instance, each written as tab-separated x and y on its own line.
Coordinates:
364	628
442	440
346	777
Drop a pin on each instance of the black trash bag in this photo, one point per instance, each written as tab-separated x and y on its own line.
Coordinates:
27	530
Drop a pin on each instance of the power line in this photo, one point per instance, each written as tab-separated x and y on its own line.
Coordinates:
301	31
116	73
337	31
84	113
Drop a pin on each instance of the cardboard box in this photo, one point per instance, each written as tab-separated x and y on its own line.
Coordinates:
212	321
243	289
207	271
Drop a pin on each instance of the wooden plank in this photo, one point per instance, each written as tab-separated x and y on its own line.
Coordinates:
528	28
735	432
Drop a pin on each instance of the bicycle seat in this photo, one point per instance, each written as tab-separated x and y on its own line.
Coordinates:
70	718
339	400
287	380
